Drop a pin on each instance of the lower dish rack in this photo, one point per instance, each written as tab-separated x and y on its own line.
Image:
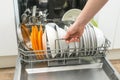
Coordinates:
83	56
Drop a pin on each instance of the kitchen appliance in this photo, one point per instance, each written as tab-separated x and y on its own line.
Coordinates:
91	64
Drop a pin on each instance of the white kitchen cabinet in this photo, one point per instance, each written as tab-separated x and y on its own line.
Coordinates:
8	39
108	21
117	34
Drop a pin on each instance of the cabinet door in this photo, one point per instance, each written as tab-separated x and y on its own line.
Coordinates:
8	40
117	34
108	19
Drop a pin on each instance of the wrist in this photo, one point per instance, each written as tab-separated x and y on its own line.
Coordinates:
78	23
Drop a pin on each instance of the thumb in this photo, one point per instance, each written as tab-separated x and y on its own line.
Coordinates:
66	36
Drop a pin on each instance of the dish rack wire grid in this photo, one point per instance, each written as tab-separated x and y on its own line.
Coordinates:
85	55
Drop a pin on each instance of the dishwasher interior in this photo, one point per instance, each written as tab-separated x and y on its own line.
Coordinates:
85	61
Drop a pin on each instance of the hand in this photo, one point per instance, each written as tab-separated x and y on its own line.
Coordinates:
74	33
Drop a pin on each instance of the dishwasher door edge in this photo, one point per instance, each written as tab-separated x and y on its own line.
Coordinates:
115	71
17	73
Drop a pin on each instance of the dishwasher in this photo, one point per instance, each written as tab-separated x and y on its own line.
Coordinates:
83	63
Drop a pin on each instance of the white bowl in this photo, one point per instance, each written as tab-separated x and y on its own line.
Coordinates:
71	15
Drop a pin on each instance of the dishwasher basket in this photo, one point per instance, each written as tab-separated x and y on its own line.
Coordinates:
85	56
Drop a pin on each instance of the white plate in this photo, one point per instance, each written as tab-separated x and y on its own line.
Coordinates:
77	46
85	41
81	43
100	37
71	15
94	36
71	48
44	42
63	45
52	36
71	45
65	27
88	39
91	39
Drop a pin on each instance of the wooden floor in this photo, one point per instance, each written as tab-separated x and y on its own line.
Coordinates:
116	64
8	73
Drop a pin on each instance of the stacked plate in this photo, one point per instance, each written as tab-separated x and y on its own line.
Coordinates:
91	41
55	43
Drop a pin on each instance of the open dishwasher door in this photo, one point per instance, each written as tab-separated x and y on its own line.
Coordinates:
77	63
103	71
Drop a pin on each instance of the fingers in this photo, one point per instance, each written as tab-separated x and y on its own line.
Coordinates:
73	34
68	38
73	40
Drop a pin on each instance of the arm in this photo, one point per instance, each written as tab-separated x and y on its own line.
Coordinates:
90	9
